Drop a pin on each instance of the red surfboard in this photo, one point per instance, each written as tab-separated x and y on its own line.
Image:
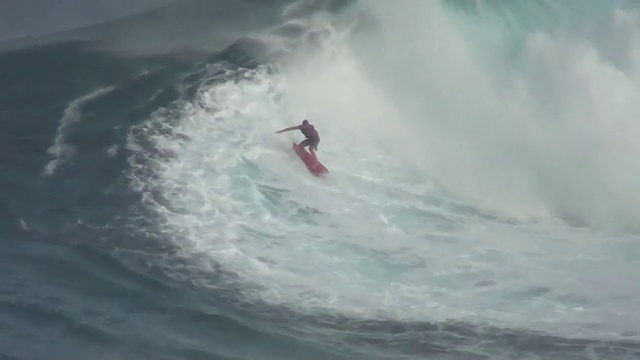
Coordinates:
310	160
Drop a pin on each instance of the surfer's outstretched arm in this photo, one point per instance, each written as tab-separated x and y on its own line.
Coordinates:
288	129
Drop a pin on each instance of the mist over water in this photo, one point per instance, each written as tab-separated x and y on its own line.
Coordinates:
543	131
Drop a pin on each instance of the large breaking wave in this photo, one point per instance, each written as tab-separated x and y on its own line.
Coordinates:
460	167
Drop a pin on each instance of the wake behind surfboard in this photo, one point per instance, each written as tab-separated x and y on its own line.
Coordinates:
310	160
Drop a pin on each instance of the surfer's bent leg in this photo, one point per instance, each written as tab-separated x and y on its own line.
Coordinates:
305	143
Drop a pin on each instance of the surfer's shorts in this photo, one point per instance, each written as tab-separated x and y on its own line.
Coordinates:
310	142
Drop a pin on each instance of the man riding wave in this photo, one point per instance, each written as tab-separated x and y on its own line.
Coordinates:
312	138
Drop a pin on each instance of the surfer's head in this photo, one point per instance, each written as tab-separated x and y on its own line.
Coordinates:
305	122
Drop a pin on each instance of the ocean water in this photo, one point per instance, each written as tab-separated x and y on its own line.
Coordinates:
483	198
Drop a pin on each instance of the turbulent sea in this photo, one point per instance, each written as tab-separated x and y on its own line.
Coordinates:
483	200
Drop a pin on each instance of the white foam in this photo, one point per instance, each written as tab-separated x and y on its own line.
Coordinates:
113	150
61	152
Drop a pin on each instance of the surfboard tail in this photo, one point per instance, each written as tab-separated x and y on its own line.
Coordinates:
310	160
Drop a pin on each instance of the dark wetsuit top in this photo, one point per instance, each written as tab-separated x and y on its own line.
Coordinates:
310	132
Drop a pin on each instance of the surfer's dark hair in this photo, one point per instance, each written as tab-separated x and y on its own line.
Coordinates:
305	121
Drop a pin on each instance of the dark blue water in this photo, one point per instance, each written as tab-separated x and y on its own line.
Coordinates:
87	274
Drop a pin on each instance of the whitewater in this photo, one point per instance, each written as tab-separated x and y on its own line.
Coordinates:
461	187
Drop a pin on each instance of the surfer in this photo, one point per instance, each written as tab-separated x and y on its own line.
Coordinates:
312	138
